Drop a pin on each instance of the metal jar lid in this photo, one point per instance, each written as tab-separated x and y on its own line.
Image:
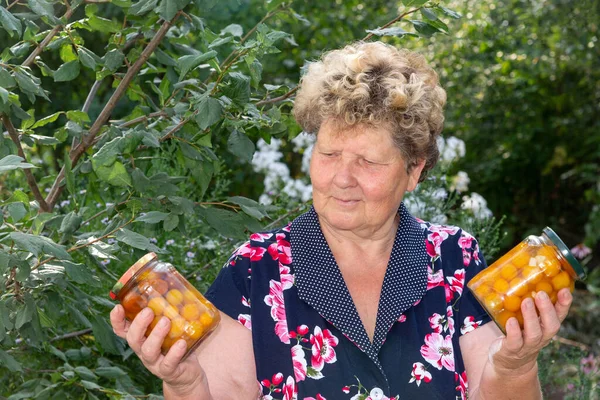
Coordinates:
130	273
566	253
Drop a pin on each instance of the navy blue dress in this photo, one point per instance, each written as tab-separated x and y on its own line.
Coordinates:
309	342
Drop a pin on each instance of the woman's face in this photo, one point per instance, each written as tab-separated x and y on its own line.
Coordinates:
359	177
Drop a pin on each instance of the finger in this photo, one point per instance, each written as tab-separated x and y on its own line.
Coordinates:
117	319
565	299
548	317
150	350
173	358
532	329
135	334
514	337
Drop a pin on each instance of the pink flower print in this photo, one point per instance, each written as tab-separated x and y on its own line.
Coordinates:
444	229
245	320
436	322
260	237
287	228
346	389
462	385
402	318
323	343
419	374
434	279
438	351
469	325
252	252
455	284
433	243
275	300
245	301
281	250
319	397
299	362
450	320
289	389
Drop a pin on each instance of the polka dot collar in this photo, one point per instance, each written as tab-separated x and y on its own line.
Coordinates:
321	285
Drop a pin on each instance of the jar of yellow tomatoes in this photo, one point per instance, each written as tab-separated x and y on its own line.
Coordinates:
157	285
538	263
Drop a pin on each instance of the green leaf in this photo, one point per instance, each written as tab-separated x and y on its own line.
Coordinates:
450	13
43	140
107	155
171	222
209	112
91	385
6	79
17	211
46	120
115	175
110	372
78	116
249	206
3	95
220	41
27	83
24	315
394	31
233	29
240	145
85	373
39	245
428	13
69	177
67	53
134	239
255	73
105	335
168	8
142	7
188	63
87	58
238	89
70	223
11	162
67	72
152	217
414	3
104	25
113	60
10	22
227	223
41	7
9	362
428	28
80	273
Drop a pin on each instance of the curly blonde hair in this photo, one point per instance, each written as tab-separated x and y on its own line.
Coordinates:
375	83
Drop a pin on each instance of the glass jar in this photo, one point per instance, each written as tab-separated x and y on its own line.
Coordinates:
157	285
538	263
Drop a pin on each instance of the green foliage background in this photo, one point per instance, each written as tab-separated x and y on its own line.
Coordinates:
164	167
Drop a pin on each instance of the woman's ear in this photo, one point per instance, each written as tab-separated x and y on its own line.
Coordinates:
414	174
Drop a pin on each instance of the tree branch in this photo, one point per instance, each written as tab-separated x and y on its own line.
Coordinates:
277	99
398	18
14	135
71	334
143	118
88	140
90	96
38	50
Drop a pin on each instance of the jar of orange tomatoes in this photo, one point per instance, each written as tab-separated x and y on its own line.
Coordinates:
538	263
157	285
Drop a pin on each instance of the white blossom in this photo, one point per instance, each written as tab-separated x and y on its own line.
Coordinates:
460	182
477	205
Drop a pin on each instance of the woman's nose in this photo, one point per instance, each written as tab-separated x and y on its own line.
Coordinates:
345	173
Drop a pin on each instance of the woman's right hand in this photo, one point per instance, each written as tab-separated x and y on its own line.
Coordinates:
182	377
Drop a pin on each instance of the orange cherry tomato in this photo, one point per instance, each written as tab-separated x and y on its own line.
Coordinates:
544	286
532	274
508	272
503	316
178	326
518	287
175	297
191	312
501	285
158	304
561	281
133	303
493	302
521	258
206	320
512	303
194	330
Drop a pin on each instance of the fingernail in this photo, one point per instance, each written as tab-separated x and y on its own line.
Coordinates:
146	312
542	295
163	322
528	303
182	344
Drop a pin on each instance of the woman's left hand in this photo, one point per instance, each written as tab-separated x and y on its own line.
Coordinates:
518	351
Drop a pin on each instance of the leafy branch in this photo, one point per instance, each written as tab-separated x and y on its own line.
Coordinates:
88	140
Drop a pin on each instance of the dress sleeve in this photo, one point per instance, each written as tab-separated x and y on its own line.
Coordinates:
230	291
471	314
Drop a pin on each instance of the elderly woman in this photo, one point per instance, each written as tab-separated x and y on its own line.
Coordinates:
357	299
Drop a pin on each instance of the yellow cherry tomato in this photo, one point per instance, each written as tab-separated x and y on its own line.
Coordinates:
532	274
194	330
508	272
175	297
518	287
178	326
493	302
501	285
171	312
503	316
158	304
560	281
544	286
512	303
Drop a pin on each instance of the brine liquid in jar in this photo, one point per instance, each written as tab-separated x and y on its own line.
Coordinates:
538	263
158	285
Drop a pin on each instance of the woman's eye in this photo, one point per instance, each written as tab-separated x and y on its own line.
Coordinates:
368	162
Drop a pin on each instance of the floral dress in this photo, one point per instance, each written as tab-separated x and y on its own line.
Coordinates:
309	342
